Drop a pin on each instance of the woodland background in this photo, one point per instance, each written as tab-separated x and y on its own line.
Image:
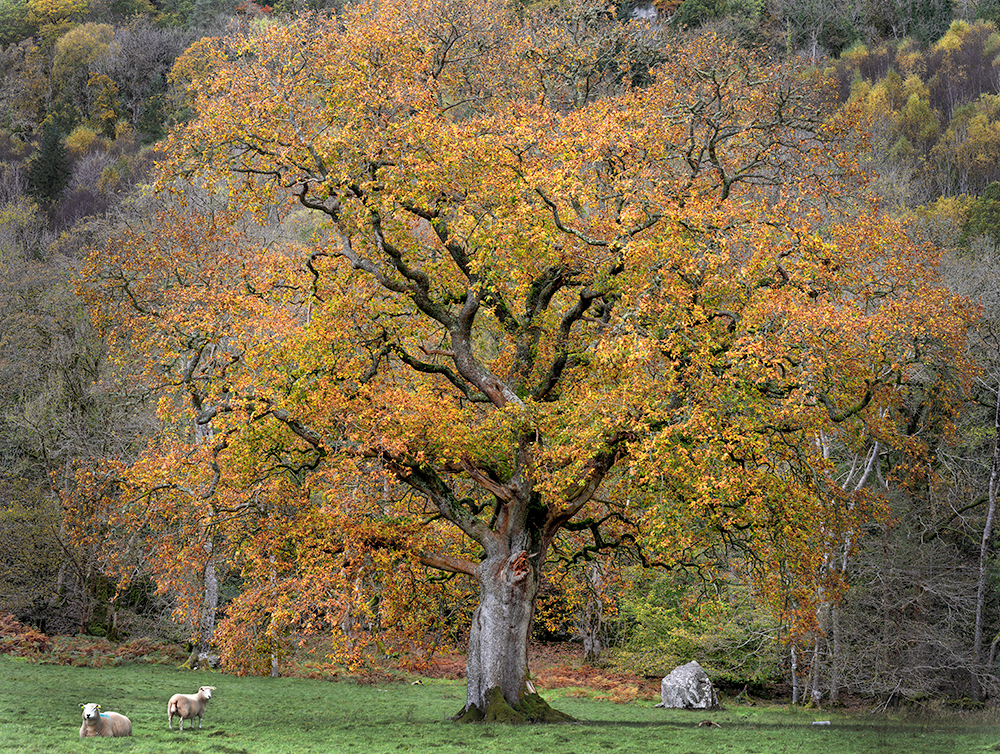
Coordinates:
89	90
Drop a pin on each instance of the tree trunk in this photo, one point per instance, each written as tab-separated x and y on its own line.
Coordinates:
499	689
209	606
815	695
795	675
591	624
836	655
984	547
591	632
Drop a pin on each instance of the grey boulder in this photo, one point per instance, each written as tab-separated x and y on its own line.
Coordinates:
688	687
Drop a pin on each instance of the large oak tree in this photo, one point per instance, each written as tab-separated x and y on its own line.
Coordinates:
523	310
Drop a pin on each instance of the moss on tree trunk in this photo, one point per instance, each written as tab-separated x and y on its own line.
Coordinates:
498	690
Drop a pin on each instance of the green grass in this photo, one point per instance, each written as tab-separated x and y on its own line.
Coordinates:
39	712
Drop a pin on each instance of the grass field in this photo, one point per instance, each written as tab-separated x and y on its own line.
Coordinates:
40	712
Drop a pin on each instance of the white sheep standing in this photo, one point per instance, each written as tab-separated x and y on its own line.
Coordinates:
107	724
188	706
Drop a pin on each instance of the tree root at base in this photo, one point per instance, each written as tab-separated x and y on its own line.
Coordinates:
530	709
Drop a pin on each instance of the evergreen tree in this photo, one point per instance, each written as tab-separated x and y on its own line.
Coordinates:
49	167
983	217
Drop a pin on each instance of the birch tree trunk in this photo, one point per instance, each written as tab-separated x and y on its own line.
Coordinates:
984	547
827	614
836	655
795	675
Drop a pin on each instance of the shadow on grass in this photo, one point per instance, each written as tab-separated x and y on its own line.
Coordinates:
892	726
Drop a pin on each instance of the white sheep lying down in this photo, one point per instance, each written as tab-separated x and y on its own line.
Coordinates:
188	706
107	724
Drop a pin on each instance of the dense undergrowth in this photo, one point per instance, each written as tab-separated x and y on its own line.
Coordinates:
555	665
82	651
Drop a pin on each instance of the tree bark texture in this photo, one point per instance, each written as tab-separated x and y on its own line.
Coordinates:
209	607
210	604
498	640
794	668
987	535
499	689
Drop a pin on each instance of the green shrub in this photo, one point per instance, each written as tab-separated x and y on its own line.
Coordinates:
674	622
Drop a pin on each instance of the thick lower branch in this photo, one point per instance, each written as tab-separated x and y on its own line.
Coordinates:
447	563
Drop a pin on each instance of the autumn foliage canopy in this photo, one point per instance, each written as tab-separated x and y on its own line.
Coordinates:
442	287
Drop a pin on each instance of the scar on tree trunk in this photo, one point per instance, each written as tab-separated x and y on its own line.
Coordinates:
498	689
530	709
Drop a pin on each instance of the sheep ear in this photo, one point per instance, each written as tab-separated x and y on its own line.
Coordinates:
82	706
